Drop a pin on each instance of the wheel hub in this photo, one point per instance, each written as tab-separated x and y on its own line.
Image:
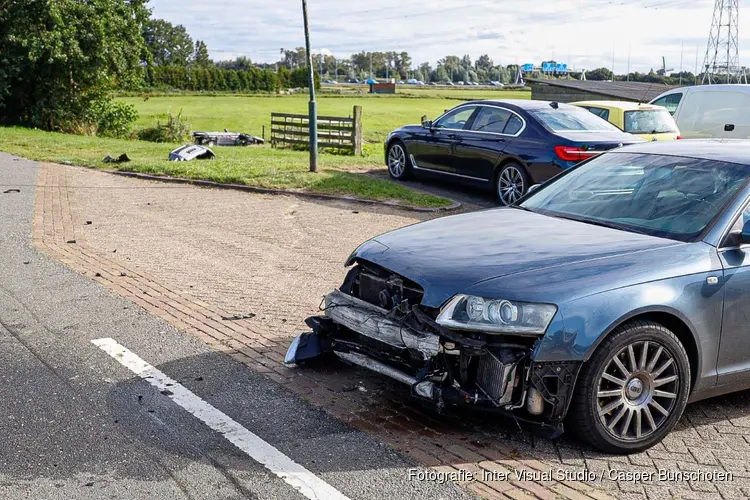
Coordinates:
634	389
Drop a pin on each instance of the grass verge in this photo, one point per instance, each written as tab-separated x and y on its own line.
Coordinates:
251	166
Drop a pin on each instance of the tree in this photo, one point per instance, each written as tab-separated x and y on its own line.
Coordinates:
167	44
599	74
200	56
60	60
484	62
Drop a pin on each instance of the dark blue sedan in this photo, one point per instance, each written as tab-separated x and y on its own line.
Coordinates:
610	296
506	146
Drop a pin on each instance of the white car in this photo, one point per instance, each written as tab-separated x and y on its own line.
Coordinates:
707	111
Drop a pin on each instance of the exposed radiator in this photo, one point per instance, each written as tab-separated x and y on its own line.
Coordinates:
496	376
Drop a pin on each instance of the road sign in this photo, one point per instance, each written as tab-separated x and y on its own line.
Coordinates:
528	67
561	68
548	67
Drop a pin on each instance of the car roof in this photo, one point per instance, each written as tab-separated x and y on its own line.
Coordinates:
623	105
725	150
527	104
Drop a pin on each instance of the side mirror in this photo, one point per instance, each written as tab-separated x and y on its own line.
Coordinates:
740	236
427	124
532	188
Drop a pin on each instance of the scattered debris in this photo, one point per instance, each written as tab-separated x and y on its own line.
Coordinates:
355	211
98	275
114	251
120	159
188	153
122	273
237	317
167	392
26	262
67	162
71	241
88	222
198	379
89	484
14	190
226	138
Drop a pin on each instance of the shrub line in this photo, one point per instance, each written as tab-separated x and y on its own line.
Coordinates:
305	194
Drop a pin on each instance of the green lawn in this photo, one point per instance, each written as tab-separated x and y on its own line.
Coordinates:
380	113
262	166
252	166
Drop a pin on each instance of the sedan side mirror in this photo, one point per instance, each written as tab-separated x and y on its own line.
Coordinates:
427	124
740	236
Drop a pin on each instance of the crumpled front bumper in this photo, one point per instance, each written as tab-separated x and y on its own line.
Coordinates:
441	366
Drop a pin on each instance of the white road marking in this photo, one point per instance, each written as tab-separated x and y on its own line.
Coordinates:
272	459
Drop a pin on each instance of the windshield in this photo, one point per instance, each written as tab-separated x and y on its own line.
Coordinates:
655	121
572	119
664	196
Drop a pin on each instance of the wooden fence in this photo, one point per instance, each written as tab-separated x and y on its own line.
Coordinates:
343	134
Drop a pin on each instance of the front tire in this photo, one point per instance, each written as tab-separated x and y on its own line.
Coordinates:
633	390
511	183
399	162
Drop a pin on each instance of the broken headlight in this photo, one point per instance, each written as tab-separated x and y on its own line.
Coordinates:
469	312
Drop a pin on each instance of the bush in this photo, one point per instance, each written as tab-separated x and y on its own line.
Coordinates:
177	129
113	119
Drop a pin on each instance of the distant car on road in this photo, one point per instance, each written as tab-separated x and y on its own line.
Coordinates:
708	111
503	145
653	123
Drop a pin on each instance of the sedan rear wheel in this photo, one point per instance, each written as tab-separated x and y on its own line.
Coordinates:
512	183
633	390
399	163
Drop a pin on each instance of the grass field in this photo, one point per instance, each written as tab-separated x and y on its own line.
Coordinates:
261	167
380	113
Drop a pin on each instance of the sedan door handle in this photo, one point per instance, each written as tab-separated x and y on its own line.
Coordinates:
729	127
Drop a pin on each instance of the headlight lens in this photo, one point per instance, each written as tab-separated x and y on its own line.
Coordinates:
469	312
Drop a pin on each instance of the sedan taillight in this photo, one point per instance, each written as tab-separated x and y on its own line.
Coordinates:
679	137
571	153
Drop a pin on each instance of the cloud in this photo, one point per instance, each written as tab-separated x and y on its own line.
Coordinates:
583	33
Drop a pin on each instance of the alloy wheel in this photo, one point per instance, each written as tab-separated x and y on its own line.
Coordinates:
510	185
396	160
637	390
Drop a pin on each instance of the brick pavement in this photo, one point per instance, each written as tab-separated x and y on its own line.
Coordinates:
193	256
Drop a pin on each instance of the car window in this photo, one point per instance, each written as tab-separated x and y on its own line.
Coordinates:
670	102
514	126
600	112
664	196
652	121
490	119
456	119
572	119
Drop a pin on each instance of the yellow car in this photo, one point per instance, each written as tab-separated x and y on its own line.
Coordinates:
653	123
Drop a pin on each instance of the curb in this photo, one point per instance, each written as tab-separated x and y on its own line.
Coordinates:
252	189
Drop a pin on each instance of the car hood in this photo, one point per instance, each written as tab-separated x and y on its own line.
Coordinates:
453	254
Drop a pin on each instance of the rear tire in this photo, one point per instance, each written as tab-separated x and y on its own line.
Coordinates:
633	390
511	183
399	161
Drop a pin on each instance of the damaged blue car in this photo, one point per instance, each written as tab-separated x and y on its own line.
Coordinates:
607	298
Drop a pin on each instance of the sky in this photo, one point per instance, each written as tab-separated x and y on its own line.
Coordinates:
585	34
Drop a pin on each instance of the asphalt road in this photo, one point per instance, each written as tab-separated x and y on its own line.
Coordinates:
78	421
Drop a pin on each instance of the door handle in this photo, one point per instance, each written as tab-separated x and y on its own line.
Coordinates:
729	127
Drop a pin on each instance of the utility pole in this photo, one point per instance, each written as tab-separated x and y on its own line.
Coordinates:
370	65
313	107
613	64
682	52
630	47
697	48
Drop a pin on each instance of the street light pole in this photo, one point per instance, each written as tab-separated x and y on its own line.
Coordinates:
313	107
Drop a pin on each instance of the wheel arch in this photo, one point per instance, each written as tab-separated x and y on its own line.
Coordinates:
510	159
674	322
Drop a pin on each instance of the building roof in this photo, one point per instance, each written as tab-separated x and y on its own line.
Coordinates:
623	105
630	91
